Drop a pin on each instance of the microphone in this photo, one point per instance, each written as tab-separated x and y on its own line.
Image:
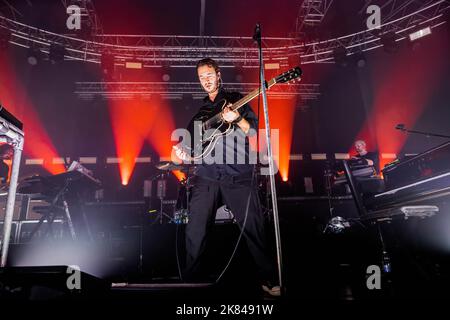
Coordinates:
257	33
400	126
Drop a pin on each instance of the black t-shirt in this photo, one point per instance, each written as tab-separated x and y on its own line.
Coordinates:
217	170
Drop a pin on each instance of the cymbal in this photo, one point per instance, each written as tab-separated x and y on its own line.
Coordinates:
168	165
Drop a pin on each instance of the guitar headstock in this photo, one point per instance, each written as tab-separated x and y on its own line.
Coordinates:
289	75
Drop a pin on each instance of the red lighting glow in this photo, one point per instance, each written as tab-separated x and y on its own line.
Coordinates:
401	95
131	122
281	115
15	99
159	136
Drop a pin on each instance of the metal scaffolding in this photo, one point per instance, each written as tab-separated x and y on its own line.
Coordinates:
13	135
311	13
179	90
181	50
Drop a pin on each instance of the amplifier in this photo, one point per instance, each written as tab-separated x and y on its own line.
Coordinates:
31	213
23	208
20	207
13	238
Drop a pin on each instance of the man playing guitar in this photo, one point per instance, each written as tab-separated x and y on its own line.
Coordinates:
225	182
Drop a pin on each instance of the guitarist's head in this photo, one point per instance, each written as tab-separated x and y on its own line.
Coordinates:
208	72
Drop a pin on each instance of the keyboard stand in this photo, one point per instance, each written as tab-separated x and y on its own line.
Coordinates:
57	207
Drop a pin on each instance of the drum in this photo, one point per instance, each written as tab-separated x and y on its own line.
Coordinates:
181	216
181	213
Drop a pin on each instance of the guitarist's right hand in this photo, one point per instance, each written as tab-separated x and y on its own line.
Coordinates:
181	154
229	115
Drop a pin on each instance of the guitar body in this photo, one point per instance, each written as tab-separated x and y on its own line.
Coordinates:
205	114
210	132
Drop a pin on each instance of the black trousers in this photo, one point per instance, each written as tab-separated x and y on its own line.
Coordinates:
207	197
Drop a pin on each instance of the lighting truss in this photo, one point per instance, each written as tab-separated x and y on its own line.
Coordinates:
185	51
177	90
399	21
311	13
6	6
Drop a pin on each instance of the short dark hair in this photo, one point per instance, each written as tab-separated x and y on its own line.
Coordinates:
208	62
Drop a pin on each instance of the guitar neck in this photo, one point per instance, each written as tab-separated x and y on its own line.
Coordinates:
252	95
241	102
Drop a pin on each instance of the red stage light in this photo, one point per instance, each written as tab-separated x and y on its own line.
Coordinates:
281	115
15	99
160	135
131	122
401	95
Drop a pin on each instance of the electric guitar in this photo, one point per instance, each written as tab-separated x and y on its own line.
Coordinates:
215	127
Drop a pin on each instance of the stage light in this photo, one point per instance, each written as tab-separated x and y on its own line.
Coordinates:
340	56
389	42
33	56
165	73
416	38
107	65
360	59
142	114
239	72
188	101
272	66
281	115
133	65
57	53
419	34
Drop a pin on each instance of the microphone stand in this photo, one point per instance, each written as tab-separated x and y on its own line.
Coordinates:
257	38
428	134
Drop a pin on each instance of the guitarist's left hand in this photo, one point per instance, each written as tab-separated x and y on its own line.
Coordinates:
229	115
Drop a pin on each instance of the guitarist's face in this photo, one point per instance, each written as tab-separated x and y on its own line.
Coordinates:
209	78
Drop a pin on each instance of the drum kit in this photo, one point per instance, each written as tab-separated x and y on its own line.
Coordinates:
181	211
